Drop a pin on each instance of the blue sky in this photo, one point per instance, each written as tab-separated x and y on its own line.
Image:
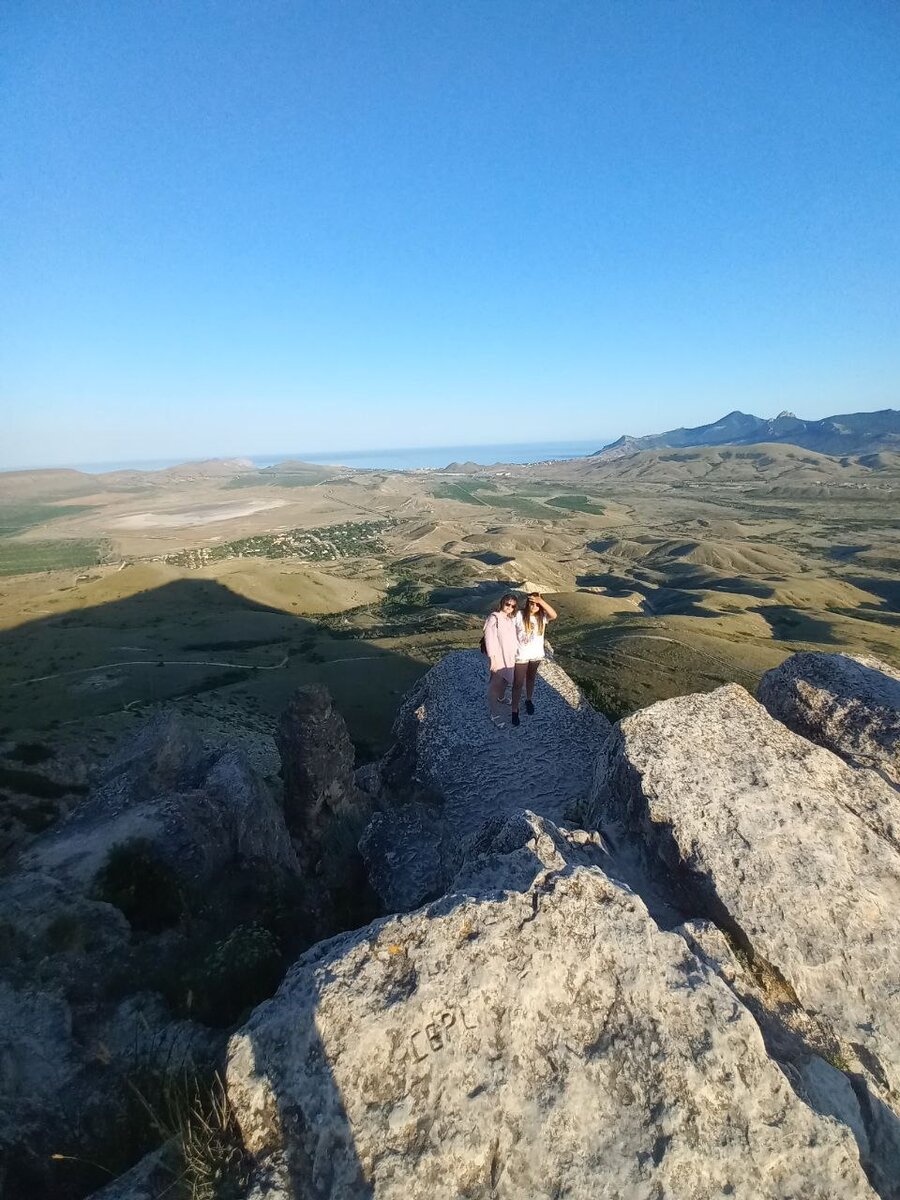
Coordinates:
241	227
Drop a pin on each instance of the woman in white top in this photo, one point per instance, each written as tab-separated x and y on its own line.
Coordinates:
530	625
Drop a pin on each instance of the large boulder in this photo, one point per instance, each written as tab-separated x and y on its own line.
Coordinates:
196	811
450	770
787	848
524	1044
849	703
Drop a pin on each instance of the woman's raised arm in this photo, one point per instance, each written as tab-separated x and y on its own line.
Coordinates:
549	612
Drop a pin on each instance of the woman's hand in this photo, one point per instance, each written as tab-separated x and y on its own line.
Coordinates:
549	612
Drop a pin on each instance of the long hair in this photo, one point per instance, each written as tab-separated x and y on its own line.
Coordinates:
539	619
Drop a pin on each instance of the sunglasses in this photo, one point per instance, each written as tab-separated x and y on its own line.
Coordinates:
510	604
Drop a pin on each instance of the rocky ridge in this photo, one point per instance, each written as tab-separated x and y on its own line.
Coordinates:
512	1043
450	770
654	959
846	433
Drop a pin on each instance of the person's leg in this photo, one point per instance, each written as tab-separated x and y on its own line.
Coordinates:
529	686
496	688
518	681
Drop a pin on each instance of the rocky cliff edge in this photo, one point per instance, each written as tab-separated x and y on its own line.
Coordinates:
657	959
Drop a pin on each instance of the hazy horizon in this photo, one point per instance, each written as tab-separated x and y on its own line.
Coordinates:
557	447
567	448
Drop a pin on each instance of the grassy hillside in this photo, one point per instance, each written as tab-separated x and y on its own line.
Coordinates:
671	570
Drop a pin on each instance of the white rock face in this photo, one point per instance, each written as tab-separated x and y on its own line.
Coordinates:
849	703
782	841
525	1045
451	770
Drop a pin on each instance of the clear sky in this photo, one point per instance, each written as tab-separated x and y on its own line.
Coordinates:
244	226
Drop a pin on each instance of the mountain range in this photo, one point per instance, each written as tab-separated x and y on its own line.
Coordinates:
848	433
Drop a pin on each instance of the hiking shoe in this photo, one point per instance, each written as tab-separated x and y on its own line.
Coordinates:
515	718
529	708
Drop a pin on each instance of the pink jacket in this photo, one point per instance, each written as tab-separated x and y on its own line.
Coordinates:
500	640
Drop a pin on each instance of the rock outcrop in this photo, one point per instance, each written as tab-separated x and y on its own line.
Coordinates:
316	765
326	810
848	703
451	769
197	811
655	959
525	1044
125	921
791	852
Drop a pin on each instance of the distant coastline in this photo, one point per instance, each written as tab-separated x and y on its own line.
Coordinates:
406	459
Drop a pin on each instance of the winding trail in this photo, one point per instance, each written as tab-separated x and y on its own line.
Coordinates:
154	662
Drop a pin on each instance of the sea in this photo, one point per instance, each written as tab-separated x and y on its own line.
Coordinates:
405	459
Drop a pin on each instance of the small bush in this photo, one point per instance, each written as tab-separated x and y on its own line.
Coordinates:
186	1114
30	753
143	887
215	1163
66	933
238	973
604	699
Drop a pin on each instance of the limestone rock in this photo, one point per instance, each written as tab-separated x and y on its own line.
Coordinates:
38	1059
326	810
451	769
523	1046
523	851
316	763
166	753
775	839
199	811
141	1033
41	917
790	1036
402	853
155	1177
848	703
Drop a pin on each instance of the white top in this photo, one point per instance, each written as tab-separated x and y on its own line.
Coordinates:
530	649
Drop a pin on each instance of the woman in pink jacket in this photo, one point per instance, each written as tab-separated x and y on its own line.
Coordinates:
500	644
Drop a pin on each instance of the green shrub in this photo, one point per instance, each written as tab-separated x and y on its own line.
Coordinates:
604	698
140	885
66	933
30	753
237	974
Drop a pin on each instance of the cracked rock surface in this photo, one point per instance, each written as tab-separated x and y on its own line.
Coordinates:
849	703
525	1044
788	848
451	769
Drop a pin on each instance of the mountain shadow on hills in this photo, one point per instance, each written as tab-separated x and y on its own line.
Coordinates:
888	589
796	625
168	645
